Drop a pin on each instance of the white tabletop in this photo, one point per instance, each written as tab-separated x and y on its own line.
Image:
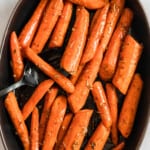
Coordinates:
6	7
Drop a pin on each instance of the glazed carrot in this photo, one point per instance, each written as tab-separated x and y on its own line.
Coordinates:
113	105
120	146
36	96
85	81
15	114
94	4
52	12
75	46
130	105
60	79
48	101
99	138
95	35
55	120
60	30
63	129
34	130
109	62
77	130
16	57
127	63
28	31
75	76
101	103
115	10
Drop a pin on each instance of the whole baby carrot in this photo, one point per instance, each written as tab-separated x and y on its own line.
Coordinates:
127	63
47	69
54	122
37	95
102	103
115	10
48	21
28	31
48	101
58	35
16	57
109	63
95	35
17	119
75	46
130	105
34	130
113	105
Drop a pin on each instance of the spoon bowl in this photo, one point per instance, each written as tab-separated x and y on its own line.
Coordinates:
30	78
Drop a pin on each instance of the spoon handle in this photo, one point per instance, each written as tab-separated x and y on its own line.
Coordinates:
11	87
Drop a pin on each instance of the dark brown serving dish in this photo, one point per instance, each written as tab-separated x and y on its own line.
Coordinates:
140	30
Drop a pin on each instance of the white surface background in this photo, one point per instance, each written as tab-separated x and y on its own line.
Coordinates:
6	7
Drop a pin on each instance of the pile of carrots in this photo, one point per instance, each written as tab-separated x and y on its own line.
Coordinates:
101	58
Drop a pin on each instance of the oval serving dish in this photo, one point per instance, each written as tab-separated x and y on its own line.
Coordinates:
139	29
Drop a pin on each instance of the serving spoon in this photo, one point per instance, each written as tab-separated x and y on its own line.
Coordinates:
30	78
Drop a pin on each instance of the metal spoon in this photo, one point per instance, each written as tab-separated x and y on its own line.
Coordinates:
30	78
30	75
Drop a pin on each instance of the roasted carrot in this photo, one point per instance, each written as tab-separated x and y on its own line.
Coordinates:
102	103
94	4
63	129
51	14
120	146
95	35
113	105
36	96
55	120
16	57
77	130
115	10
127	63
28	31
15	114
109	62
130	105
75	46
58	36
48	101
99	138
63	81
34	130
